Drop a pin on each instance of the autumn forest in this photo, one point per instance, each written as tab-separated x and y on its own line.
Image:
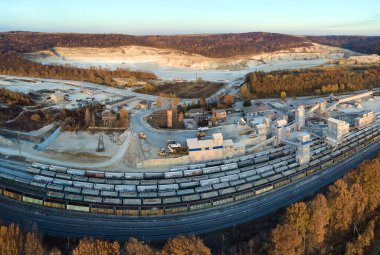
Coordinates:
314	81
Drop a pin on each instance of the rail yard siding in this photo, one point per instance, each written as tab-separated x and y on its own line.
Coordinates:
183	189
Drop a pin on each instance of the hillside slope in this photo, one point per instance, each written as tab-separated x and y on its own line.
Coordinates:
362	44
209	45
132	55
214	45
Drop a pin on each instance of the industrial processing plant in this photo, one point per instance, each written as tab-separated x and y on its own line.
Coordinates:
292	146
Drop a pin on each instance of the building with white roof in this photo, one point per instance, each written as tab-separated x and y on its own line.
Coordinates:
215	148
57	97
365	119
280	130
90	91
303	148
336	129
220	114
256	109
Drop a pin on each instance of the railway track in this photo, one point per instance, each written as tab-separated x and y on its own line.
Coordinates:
180	190
231	188
77	224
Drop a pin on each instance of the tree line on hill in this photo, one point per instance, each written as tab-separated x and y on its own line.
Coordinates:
14	98
210	45
14	44
14	64
315	81
76	119
362	44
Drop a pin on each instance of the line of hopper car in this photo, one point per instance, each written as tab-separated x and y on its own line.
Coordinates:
184	188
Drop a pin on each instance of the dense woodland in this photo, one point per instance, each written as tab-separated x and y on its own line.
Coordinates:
8	113
211	45
341	220
14	64
14	98
71	119
362	44
313	81
13	241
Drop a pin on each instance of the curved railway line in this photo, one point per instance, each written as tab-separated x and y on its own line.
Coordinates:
188	199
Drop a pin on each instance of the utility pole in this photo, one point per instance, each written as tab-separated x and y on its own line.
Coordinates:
100	143
19	143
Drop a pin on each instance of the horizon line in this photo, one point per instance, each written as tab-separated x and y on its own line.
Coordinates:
180	34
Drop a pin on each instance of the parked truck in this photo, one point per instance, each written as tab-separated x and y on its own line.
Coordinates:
201	134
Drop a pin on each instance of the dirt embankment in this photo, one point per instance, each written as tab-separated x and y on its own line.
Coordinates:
358	60
188	89
177	58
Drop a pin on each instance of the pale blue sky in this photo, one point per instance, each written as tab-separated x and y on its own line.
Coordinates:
192	16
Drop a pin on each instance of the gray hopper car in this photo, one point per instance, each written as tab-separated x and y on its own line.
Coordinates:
230	166
114	175
76	172
209	170
122	188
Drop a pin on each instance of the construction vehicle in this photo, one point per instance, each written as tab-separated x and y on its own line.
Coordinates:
163	153
177	148
142	135
173	147
201	134
242	122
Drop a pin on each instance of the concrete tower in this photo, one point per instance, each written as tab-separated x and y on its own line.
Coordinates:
336	129
280	131
169	114
303	148
300	117
321	109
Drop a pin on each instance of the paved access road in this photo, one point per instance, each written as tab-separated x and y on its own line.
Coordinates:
158	137
75	224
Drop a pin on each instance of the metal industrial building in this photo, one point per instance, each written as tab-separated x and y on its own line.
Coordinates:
215	148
